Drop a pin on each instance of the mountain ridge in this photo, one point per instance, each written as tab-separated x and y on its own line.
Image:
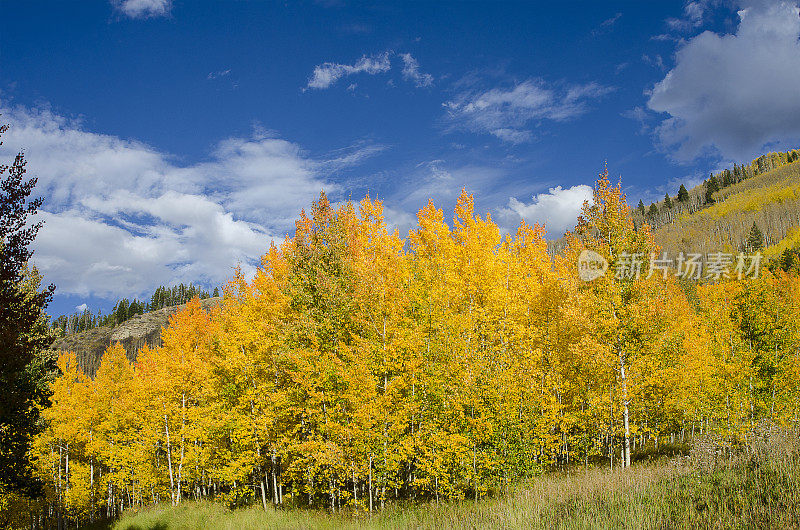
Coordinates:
135	333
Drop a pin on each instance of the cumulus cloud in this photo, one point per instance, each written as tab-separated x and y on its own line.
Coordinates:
412	73
143	8
557	209
122	217
507	113
327	74
81	308
733	94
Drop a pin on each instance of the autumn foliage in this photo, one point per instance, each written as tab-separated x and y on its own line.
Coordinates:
357	368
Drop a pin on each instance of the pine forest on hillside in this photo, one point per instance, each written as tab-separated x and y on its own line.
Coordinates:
126	309
716	188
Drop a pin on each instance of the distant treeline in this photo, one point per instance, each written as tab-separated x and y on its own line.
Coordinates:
125	309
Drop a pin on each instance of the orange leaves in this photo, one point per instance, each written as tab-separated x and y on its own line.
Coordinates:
356	363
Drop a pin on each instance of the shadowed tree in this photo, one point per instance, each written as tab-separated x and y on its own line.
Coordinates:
755	239
24	330
683	195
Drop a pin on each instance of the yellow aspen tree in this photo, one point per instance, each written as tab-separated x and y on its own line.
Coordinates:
176	377
624	295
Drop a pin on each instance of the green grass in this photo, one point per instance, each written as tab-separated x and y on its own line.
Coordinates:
743	494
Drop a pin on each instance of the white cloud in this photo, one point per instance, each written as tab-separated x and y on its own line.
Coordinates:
190	239
81	308
611	21
693	13
639	115
606	25
327	74
218	74
656	61
512	136
143	8
121	217
507	113
733	94
557	209
411	71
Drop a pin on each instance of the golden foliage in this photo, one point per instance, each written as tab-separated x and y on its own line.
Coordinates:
357	368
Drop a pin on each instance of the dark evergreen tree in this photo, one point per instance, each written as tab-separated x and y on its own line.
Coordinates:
653	211
789	260
713	184
683	195
121	311
24	330
640	208
727	178
755	239
667	201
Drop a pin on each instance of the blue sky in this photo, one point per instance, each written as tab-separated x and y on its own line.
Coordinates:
173	139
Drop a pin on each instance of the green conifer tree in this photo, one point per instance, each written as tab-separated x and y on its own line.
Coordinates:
755	239
24	327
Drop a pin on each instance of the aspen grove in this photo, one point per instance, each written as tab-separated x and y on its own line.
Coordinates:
357	368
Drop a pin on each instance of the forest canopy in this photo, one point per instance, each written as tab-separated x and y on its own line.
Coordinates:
357	368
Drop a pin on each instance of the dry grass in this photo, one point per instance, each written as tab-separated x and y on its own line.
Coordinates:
754	484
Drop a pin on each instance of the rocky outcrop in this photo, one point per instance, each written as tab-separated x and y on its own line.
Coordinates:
133	334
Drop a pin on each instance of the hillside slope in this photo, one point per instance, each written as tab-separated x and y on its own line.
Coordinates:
133	334
770	200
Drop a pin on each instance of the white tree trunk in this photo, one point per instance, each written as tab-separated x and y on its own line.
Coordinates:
624	381
169	462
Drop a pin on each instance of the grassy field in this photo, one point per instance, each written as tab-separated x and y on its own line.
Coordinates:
759	487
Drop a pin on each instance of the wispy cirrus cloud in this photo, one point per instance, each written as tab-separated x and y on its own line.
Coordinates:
693	14
411	71
507	113
218	74
143	8
606	25
328	74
